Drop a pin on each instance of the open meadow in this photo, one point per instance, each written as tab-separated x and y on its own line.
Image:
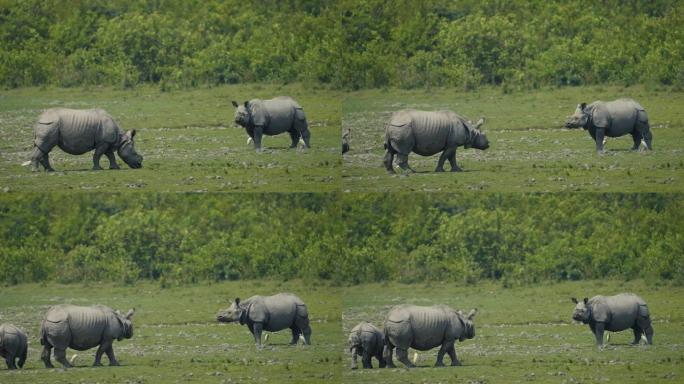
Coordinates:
177	338
529	148
187	137
526	334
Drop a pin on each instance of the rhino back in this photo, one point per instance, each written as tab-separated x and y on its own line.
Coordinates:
431	131
282	309
429	326
281	113
88	326
623	116
81	130
624	309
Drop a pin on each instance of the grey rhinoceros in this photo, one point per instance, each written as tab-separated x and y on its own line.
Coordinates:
13	346
78	131
270	313
614	314
424	328
612	119
272	117
81	328
368	340
346	135
427	133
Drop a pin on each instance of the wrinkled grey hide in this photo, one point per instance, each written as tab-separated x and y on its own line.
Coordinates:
13	346
614	314
612	119
270	313
79	131
346	135
272	117
427	133
81	328
423	328
367	340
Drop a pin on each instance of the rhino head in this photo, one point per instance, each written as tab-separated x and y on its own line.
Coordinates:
579	118
127	151
242	115
582	310
126	324
232	314
478	139
468	324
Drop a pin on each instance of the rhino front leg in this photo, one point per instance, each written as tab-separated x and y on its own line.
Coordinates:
389	159
387	354
381	360
306	331
258	328
99	151
9	360
636	138
452	355
442	159
37	157
599	329
295	335
366	359
649	334
60	356
45	356
440	355
402	161
258	133
402	355
600	135
110	355
294	137
354	357
452	162
637	335
112	160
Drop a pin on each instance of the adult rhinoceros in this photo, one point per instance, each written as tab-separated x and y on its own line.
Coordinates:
612	119
81	328
270	313
614	314
427	133
272	117
79	131
424	328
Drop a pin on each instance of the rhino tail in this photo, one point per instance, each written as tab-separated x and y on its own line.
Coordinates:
22	356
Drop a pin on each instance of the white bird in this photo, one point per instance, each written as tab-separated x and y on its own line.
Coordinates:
250	140
301	338
266	337
73	358
415	357
26	163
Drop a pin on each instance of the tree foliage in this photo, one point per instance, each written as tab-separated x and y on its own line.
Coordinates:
346	44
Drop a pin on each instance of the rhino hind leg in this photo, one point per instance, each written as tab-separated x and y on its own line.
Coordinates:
389	159
22	356
387	355
45	356
381	359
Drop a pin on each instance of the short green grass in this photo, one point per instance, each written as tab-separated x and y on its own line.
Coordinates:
526	334
187	137
529	149
177	338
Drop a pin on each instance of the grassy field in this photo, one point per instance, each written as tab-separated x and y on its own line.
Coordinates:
176	336
529	149
527	335
188	139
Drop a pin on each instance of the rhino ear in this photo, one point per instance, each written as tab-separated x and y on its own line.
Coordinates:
472	313
582	106
235	104
479	123
237	301
132	133
586	300
130	313
574	300
246	104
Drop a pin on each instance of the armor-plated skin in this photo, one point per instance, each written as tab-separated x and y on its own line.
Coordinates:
369	341
13	346
270	313
272	117
427	133
614	314
612	119
424	328
81	328
79	131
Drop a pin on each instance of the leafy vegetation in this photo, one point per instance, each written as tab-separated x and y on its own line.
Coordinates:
344	238
346	44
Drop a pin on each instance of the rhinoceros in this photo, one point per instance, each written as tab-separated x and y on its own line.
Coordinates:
424	328
81	328
368	340
612	119
13	346
427	133
614	314
78	131
272	117
346	135
270	313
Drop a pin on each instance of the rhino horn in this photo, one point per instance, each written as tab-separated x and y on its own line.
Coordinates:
130	313
472	313
235	104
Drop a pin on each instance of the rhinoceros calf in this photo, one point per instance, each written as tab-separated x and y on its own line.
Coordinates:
270	313
427	133
368	340
614	314
79	131
424	328
82	328
612	119
13	346
346	136
272	117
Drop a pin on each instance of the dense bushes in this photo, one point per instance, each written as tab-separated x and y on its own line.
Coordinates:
347	44
344	238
